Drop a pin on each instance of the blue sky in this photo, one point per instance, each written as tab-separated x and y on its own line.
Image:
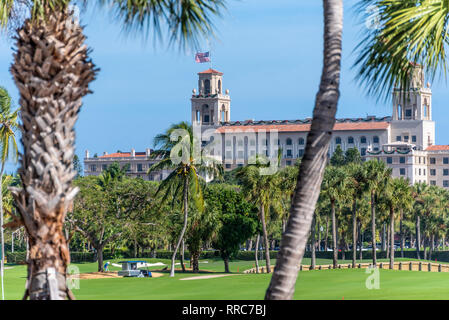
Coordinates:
269	51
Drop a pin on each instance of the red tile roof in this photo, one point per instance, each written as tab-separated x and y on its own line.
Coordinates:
306	127
123	155
211	71
438	148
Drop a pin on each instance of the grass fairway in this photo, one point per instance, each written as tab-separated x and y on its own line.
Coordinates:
337	284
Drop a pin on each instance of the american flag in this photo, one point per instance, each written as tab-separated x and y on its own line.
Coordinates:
202	57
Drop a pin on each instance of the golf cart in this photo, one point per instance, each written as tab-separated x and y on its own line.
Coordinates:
130	269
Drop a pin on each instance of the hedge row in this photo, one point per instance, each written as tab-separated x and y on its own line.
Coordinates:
20	256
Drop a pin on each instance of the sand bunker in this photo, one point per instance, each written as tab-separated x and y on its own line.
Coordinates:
106	275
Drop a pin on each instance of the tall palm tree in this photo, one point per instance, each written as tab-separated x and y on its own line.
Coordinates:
377	176
358	186
52	71
419	192
334	188
307	191
264	191
398	195
8	148
186	174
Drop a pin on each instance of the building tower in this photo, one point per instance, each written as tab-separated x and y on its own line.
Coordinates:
412	113
209	105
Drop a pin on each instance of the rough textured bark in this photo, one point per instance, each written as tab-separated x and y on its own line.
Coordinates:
52	72
265	238
373	227
184	227
314	160
327	233
360	242
226	264
194	257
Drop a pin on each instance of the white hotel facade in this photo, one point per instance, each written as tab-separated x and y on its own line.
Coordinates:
404	141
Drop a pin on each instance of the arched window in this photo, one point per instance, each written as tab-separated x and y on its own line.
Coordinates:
399	112
198	116
301	141
219	86
363	140
338	140
351	140
205	112
207	86
376	139
289	142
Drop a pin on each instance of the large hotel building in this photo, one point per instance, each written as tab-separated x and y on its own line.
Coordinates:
404	141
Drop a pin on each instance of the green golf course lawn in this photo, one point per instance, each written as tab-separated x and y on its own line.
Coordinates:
325	284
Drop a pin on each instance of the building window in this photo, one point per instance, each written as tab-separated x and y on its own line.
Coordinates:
445	172
363	140
93	168
338	140
433	172
289	163
206	118
301	141
419	172
445	160
413	138
389	160
139	167
350	140
433	183
402	160
228	166
445	183
398	138
405	138
402	171
432	161
424	171
408	113
279	142
363	152
104	167
375	139
300	152
289	153
289	142
228	143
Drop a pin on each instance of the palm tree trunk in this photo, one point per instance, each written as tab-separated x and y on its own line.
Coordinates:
373	227
313	262
256	253
2	236
265	238
388	242
354	233
401	231
418	236
51	88
182	256
334	236
327	233
360	242
391	238
184	227
314	160
384	237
